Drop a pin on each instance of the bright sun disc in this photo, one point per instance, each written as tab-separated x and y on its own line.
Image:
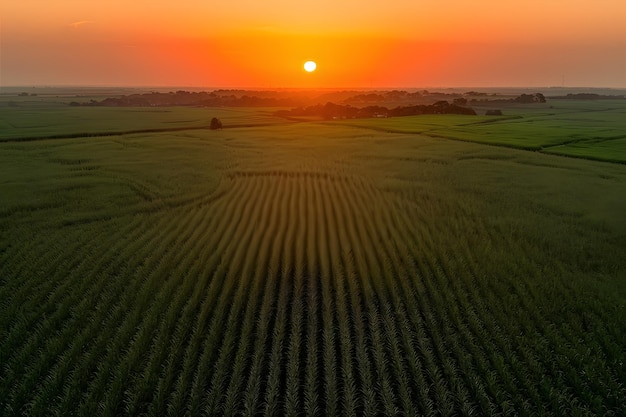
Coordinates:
310	66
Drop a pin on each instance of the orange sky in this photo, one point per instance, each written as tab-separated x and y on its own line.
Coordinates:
246	43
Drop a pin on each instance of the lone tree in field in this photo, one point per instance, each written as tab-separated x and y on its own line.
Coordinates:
215	124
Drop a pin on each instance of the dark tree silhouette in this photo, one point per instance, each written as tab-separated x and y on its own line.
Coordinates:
215	124
530	98
460	101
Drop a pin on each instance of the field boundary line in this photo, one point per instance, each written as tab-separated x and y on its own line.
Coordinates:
130	132
539	149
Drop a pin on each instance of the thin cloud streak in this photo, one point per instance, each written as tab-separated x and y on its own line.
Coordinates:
80	23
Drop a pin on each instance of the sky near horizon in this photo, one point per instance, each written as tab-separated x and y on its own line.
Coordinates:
356	44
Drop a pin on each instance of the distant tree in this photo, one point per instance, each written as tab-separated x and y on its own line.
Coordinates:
215	124
460	101
530	98
525	98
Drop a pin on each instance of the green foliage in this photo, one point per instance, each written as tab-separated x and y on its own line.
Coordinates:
309	269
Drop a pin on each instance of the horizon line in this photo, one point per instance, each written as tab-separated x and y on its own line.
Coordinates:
337	88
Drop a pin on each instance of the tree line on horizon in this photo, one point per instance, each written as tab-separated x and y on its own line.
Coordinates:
244	98
337	111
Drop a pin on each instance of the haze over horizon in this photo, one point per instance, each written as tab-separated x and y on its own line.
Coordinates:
447	43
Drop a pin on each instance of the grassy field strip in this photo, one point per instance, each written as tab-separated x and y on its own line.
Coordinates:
350	244
449	385
49	284
337	373
490	292
101	341
483	396
331	277
63	312
551	132
467	263
149	269
294	398
369	261
432	352
53	285
175	328
53	123
140	316
560	339
210	323
167	379
442	278
105	133
275	378
16	261
313	397
346	312
254	219
207	263
384	234
613	150
248	216
273	249
256	251
415	363
420	362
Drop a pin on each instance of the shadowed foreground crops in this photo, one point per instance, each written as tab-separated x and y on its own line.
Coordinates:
308	270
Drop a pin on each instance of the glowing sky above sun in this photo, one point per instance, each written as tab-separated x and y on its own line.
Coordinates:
249	43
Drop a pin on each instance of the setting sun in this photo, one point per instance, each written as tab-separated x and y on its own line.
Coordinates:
310	66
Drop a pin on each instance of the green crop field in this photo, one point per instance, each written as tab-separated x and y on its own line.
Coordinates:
310	268
591	129
34	120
